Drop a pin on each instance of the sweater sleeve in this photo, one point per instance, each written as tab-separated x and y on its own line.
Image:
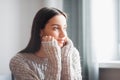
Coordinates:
76	65
71	69
66	61
21	70
53	52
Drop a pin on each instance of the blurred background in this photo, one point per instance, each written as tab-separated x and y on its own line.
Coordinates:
93	26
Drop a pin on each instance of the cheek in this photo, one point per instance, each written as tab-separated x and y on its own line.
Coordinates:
48	33
53	34
66	35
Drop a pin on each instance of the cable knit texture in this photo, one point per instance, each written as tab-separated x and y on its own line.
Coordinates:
60	64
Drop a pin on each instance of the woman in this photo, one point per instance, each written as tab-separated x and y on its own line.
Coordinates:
50	54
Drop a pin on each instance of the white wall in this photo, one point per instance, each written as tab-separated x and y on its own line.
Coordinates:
16	18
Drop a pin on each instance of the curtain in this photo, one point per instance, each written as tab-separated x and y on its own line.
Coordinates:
79	30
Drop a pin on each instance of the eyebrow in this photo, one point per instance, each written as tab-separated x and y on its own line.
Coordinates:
55	24
58	25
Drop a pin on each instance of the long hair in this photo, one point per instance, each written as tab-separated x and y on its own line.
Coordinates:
39	22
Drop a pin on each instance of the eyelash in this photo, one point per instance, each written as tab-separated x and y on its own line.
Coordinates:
56	28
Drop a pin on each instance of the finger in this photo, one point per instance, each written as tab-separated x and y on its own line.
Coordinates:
49	38
44	38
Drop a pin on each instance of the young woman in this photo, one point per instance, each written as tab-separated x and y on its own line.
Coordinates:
50	54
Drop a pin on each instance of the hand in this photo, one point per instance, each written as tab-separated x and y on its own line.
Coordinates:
47	38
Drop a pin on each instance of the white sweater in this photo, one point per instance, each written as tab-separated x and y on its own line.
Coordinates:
60	64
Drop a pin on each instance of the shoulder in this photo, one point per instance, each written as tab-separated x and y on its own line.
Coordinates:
25	59
17	62
17	59
20	59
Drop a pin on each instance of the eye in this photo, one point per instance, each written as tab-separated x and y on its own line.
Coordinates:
55	28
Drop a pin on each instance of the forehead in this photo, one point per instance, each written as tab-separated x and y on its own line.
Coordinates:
58	19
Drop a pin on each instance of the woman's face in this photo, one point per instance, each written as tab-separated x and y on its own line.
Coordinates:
56	27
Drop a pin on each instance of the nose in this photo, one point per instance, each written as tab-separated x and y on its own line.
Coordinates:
63	33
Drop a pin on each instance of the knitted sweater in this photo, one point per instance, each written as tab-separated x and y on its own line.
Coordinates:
60	64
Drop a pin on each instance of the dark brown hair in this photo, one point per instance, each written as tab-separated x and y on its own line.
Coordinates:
39	22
